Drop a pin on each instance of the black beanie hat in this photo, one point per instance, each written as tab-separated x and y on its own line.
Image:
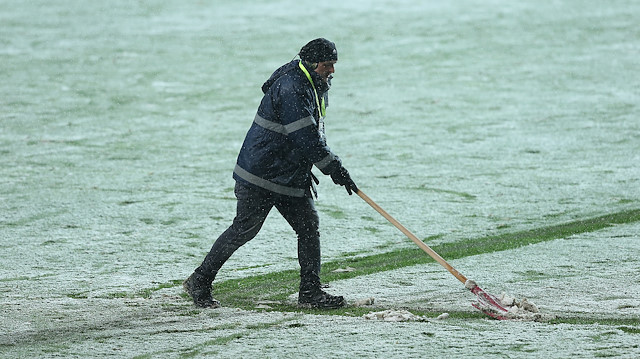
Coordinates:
319	50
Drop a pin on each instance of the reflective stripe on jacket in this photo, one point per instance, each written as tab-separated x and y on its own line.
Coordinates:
284	140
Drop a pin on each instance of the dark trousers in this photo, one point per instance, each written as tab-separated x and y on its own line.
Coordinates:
253	206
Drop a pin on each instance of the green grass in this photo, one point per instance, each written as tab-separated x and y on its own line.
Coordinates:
464	195
209	347
630	330
245	292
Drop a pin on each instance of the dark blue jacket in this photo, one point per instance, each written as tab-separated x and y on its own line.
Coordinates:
285	139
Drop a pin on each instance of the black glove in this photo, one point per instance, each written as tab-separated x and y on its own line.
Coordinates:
342	178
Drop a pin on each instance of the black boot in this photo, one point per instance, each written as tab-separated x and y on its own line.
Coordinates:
311	296
199	288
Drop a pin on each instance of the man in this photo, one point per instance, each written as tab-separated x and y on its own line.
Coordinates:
273	169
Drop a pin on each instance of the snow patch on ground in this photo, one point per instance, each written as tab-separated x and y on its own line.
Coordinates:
392	315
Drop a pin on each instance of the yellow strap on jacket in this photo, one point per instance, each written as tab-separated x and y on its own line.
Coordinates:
321	108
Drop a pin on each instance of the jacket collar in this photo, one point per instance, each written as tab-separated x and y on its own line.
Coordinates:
320	85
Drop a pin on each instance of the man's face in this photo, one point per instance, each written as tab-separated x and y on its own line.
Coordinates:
325	69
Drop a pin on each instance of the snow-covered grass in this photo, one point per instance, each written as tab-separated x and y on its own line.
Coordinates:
121	121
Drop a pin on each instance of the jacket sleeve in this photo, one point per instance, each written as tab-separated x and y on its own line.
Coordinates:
297	116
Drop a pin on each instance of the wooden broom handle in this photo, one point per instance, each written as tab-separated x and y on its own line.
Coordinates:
411	236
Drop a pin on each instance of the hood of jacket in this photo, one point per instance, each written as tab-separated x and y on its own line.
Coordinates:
321	86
